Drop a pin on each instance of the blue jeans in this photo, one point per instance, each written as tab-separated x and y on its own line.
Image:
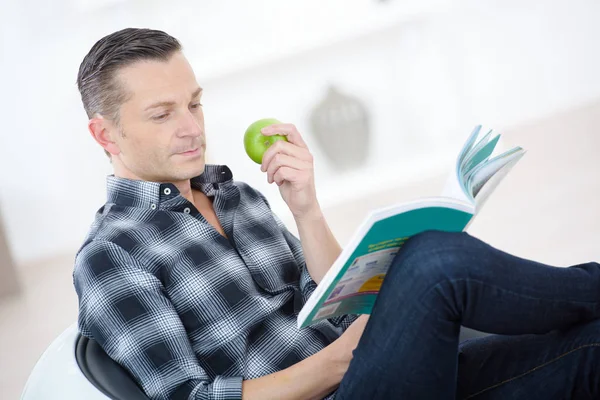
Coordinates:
546	342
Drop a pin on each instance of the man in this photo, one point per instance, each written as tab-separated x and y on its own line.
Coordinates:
191	283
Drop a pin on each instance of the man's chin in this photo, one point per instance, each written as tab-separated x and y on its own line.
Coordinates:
188	172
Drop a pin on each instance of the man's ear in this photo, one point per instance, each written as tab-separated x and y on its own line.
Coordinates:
101	129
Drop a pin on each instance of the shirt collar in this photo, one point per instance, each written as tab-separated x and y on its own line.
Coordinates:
146	194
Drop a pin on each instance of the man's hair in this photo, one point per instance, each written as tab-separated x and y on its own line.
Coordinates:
100	91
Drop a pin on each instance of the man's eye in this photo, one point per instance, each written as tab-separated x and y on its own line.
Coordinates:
196	105
160	117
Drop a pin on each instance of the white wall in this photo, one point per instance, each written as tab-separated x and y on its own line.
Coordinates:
427	70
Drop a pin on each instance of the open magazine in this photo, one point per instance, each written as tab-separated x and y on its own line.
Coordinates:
352	283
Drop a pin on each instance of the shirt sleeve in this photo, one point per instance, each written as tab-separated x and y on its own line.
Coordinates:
306	283
124	308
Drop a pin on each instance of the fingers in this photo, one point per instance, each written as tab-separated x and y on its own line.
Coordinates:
284	167
289	161
281	147
291	175
288	130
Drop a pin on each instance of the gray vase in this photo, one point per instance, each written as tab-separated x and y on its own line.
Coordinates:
340	124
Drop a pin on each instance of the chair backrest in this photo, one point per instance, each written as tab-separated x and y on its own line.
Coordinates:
104	373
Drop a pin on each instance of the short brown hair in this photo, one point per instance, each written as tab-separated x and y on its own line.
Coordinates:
100	91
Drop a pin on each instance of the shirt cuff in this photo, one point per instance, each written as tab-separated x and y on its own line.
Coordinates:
226	388
343	321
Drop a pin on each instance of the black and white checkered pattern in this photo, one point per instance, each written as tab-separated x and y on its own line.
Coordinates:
188	312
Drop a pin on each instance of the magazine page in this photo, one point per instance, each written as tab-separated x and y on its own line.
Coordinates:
477	146
468	146
454	187
356	291
484	184
482	173
481	155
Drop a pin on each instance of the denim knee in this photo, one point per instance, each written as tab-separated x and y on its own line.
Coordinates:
434	255
433	239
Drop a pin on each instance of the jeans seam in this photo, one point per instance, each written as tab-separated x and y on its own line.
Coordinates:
438	285
532	370
474	280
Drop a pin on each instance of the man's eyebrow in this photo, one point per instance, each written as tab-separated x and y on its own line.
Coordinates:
197	92
170	103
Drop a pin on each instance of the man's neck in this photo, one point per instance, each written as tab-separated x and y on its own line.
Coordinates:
185	190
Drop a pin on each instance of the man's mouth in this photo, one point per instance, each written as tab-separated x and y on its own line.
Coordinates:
190	152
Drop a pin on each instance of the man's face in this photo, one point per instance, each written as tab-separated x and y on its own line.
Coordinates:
162	124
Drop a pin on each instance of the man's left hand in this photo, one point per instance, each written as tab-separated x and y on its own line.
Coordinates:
290	165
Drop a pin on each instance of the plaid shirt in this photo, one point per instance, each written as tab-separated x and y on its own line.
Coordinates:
188	312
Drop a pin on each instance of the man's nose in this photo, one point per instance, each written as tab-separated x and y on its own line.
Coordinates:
189	125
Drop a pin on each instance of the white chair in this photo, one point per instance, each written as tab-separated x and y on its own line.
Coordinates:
75	367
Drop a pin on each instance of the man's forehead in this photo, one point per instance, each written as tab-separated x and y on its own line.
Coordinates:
150	81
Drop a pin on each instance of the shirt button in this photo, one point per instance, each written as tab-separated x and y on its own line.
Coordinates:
187	210
167	191
153	206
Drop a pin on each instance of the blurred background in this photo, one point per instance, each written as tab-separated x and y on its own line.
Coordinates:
383	91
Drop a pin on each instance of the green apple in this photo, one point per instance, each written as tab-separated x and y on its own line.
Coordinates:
255	143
